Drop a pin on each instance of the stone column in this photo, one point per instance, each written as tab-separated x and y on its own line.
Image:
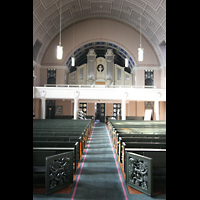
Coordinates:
123	109
125	95
76	95
43	108
75	108
156	109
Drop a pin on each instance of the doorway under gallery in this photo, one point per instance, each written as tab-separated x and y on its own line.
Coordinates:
100	112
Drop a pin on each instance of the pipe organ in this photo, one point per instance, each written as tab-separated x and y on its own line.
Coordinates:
100	71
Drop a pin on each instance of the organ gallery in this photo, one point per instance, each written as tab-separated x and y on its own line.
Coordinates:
100	71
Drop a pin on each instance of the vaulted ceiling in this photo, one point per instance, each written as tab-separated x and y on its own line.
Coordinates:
46	19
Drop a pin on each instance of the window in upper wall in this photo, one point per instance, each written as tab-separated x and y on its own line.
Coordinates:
149	77
51	76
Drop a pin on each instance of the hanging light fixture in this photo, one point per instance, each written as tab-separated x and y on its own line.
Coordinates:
140	53
73	57
140	50
59	47
126	62
73	61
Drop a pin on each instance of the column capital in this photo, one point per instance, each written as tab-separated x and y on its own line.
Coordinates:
43	94
76	94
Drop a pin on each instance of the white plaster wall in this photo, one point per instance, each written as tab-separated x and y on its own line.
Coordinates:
100	30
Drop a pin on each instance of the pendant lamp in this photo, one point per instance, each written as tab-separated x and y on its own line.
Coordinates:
73	61
126	62
59	52
73	57
59	47
140	54
140	50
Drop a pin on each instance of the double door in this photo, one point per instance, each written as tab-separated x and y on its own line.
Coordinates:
100	112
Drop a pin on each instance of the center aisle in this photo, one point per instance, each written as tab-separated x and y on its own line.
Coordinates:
99	176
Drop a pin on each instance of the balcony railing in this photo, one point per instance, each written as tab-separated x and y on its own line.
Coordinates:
128	92
98	86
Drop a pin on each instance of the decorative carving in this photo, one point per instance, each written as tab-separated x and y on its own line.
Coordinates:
138	173
43	93
158	94
125	94
100	68
76	94
59	172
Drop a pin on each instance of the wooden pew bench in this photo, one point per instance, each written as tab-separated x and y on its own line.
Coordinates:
131	145
63	135
62	139
142	131
116	141
129	124
60	147
55	132
55	170
142	138
146	169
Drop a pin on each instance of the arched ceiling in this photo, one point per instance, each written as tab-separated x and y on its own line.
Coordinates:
46	19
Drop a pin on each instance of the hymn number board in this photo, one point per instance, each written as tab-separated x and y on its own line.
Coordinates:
116	110
83	107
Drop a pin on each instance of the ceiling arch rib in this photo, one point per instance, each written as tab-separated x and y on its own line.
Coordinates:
46	18
100	48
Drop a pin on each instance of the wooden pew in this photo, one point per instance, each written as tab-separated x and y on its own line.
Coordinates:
56	170
58	135
62	138
63	132
128	146
146	169
140	127
126	124
134	118
140	139
59	147
143	138
116	141
64	124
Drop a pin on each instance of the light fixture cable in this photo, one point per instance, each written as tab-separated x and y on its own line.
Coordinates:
140	50
73	57
59	47
60	22
140	29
